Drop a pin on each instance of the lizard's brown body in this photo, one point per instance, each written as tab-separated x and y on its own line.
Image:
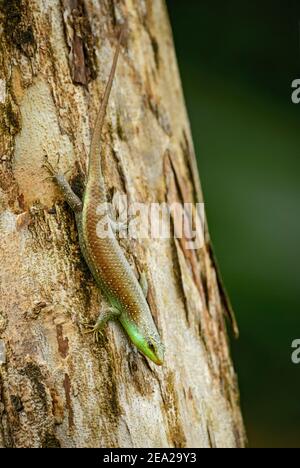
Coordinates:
104	256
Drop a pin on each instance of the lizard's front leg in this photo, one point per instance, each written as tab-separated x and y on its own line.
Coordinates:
144	283
109	313
71	198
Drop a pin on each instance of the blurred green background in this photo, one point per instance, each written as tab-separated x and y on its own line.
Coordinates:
237	61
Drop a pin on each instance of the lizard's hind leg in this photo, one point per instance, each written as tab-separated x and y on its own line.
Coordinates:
71	198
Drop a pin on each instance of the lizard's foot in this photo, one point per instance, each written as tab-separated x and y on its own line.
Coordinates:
53	171
109	313
96	329
60	179
97	333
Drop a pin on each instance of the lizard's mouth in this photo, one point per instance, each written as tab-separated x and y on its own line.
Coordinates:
157	361
150	354
153	355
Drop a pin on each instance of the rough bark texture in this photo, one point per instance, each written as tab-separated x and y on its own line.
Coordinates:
57	387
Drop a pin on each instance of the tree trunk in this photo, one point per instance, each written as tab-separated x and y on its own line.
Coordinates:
58	388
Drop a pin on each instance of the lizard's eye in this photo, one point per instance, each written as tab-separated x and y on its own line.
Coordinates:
151	346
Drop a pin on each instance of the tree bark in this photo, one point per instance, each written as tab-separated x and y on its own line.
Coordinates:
58	388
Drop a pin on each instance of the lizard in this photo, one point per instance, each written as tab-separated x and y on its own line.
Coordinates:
124	294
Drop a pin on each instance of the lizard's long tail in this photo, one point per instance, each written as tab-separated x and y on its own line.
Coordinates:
94	159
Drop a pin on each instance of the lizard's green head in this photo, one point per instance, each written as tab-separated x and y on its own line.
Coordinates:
149	345
152	349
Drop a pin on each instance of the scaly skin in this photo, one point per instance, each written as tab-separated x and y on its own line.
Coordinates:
103	254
